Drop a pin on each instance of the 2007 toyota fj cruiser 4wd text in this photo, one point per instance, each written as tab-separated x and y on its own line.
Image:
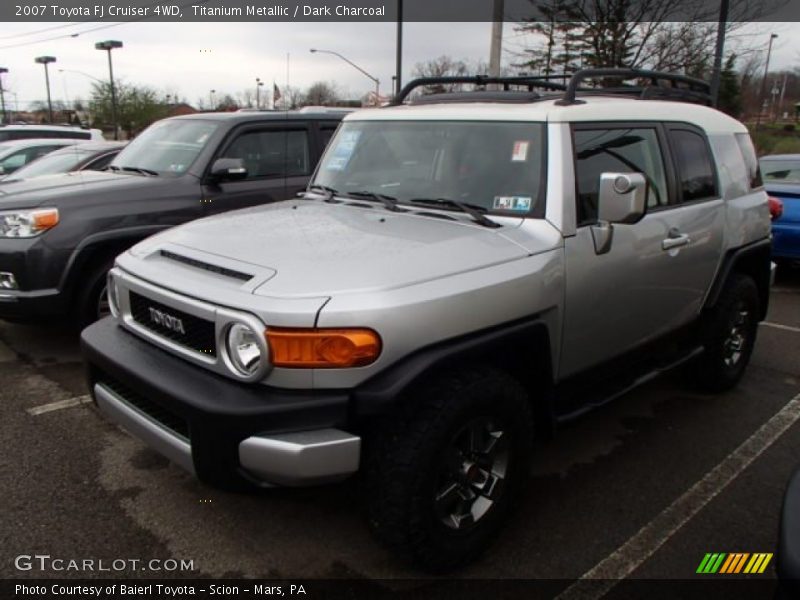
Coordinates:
465	270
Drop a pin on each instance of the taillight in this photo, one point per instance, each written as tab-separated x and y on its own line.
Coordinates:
775	207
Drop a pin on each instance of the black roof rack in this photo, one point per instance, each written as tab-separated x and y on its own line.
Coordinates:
679	87
693	90
524	81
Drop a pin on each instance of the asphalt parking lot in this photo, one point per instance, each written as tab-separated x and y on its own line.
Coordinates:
642	488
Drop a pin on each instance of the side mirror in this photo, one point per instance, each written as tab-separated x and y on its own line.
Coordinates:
228	169
622	197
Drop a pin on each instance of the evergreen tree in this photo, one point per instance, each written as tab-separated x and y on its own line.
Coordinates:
730	93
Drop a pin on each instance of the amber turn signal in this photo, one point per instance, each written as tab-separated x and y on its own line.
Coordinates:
322	348
44	219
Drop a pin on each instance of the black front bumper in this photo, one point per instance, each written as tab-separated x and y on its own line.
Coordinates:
213	412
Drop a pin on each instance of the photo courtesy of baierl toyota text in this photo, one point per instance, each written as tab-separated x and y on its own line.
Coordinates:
400	299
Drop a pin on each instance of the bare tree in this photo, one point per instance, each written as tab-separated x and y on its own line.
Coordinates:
322	93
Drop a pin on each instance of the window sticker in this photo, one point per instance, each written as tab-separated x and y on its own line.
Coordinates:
520	151
516	203
343	151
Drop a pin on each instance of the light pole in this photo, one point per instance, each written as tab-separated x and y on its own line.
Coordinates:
352	64
764	81
2	95
211	95
45	60
259	85
108	46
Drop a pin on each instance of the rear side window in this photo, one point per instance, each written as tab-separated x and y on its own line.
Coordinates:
750	160
695	167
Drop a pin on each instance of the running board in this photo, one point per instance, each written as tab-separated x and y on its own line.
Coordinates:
641	380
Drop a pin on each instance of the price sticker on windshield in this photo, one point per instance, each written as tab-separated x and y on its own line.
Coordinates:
343	151
515	203
520	151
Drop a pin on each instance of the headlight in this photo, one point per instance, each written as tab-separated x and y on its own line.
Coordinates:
27	223
243	349
113	295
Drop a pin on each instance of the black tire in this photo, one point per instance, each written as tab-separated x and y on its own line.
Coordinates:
88	296
728	334
417	507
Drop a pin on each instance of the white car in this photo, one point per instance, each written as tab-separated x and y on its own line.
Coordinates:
17	153
25	132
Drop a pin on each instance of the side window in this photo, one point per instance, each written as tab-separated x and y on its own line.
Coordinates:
750	160
271	153
100	163
621	150
13	162
297	160
695	167
325	134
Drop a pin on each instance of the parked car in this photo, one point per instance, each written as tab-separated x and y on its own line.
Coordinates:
781	174
463	271
25	132
788	559
18	153
59	234
92	156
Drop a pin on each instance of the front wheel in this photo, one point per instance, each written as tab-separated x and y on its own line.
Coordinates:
729	333
443	481
91	302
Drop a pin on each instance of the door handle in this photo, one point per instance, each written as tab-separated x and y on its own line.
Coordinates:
676	239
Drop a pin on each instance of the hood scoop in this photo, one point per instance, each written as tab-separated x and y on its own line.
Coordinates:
193	262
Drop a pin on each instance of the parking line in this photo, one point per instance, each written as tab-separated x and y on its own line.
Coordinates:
779	326
61	404
606	574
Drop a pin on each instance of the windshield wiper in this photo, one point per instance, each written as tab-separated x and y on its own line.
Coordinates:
140	170
473	210
390	202
329	191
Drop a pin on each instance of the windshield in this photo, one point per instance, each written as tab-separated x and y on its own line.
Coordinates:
780	171
56	162
166	147
493	165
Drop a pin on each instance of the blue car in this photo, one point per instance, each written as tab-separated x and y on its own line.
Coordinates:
781	174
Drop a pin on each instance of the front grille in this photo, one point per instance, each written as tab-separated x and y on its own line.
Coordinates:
194	333
161	415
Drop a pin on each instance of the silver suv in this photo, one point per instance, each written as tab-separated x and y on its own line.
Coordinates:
465	271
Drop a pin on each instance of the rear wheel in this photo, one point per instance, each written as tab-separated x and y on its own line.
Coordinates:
443	481
729	333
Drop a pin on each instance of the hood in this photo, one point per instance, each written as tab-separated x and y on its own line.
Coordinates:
310	248
41	190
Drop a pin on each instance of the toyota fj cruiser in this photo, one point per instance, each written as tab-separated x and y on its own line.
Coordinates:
465	270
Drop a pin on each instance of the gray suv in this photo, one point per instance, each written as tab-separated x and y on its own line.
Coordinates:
464	272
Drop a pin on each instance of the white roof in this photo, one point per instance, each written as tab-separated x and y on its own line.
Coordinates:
592	108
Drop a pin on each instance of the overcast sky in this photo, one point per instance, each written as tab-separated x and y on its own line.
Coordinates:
190	59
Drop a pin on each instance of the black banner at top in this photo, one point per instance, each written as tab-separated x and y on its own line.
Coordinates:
390	10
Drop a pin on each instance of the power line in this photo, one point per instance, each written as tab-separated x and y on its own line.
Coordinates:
98	28
38	31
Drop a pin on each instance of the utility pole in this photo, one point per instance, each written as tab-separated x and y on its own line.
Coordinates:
764	82
399	67
719	51
497	38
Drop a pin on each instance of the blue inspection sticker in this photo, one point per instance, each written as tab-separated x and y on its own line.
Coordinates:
345	146
516	203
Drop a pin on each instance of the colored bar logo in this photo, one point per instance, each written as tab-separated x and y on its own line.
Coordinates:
734	563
